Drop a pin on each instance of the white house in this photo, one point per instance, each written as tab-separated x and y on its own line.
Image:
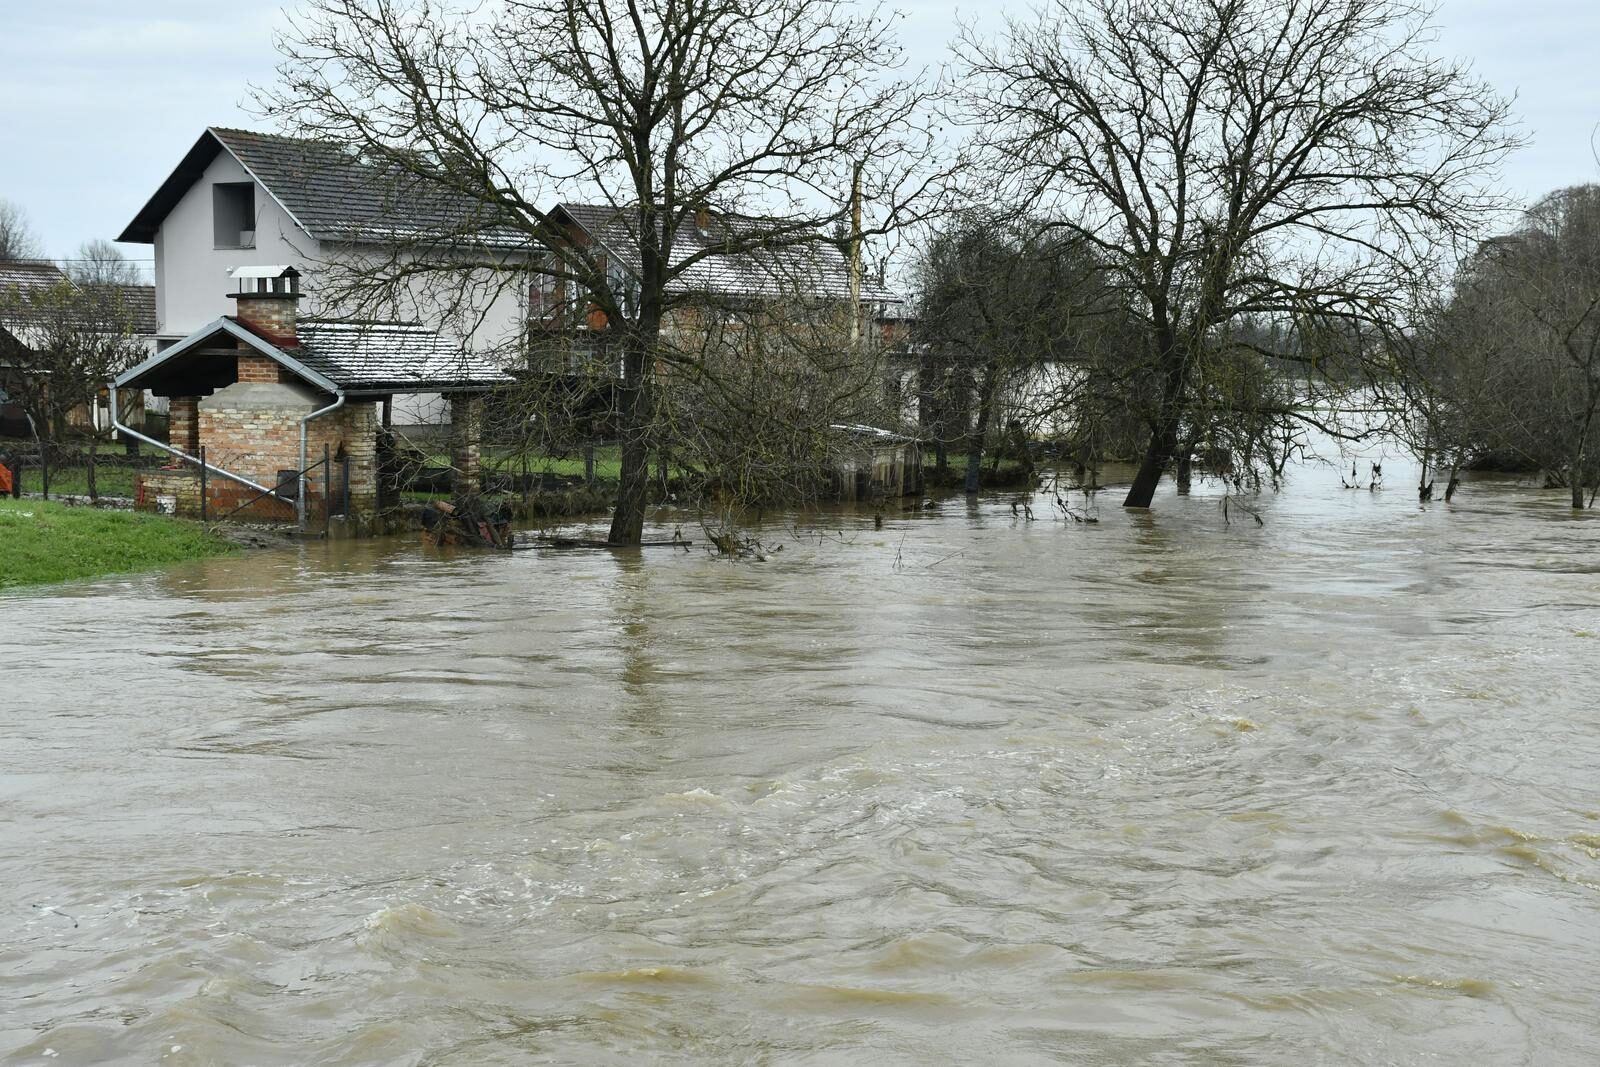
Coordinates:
244	199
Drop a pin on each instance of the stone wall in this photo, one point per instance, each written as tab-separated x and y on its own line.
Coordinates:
171	492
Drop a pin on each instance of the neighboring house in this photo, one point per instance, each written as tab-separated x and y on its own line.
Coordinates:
129	310
242	199
266	395
802	278
19	278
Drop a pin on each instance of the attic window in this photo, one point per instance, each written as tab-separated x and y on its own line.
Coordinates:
233	214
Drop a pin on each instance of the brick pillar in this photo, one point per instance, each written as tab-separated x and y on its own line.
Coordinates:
183	424
466	427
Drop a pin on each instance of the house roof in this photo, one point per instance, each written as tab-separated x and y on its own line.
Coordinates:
331	193
139	303
130	307
816	267
392	357
347	357
29	274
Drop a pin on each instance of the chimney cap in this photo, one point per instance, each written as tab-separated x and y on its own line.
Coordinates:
278	282
279	271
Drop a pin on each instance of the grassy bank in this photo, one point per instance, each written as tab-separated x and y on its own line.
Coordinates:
44	542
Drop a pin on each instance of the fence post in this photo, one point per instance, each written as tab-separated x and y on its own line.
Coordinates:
327	492
44	469
588	464
203	483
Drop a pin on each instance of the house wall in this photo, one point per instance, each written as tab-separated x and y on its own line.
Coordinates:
192	283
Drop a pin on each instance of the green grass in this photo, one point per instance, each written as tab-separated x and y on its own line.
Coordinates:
42	542
607	463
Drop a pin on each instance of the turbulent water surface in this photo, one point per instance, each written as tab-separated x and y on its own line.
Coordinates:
965	789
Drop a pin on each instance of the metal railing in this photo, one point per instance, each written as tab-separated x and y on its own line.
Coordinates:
295	480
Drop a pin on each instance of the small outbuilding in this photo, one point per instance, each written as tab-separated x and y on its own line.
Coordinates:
266	397
873	462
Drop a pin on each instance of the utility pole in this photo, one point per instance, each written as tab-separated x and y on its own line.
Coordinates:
855	259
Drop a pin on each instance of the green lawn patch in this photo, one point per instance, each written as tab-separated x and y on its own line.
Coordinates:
44	542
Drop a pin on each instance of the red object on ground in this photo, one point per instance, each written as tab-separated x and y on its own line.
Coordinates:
5	480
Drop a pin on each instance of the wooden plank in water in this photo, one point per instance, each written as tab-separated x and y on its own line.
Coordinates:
573	542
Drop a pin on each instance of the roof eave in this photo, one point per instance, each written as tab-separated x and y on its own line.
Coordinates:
142	230
425	385
226	325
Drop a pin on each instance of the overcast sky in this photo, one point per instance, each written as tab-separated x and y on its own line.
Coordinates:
99	99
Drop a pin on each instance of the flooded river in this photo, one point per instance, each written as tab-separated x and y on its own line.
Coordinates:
965	789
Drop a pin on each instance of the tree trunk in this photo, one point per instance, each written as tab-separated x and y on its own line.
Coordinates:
1164	436
1154	464
986	392
627	520
1185	472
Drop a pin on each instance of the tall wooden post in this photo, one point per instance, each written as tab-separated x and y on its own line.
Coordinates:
855	259
327	492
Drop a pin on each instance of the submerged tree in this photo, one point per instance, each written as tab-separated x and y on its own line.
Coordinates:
1513	361
758	114
1009	315
1290	161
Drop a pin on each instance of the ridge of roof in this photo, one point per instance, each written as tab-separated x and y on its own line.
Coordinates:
330	193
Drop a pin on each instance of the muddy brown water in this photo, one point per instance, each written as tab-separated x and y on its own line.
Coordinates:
965	789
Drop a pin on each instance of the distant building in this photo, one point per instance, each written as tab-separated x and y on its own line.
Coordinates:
807	277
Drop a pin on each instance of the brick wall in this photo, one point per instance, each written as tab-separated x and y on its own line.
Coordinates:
258	368
466	429
259	443
273	317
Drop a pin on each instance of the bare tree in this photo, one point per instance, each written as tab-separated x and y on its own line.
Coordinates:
756	114
99	262
17	238
1288	160
1005	306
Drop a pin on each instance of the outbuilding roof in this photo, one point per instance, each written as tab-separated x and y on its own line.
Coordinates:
392	357
814	267
350	357
332	193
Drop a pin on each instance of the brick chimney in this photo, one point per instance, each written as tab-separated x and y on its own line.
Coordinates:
266	299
